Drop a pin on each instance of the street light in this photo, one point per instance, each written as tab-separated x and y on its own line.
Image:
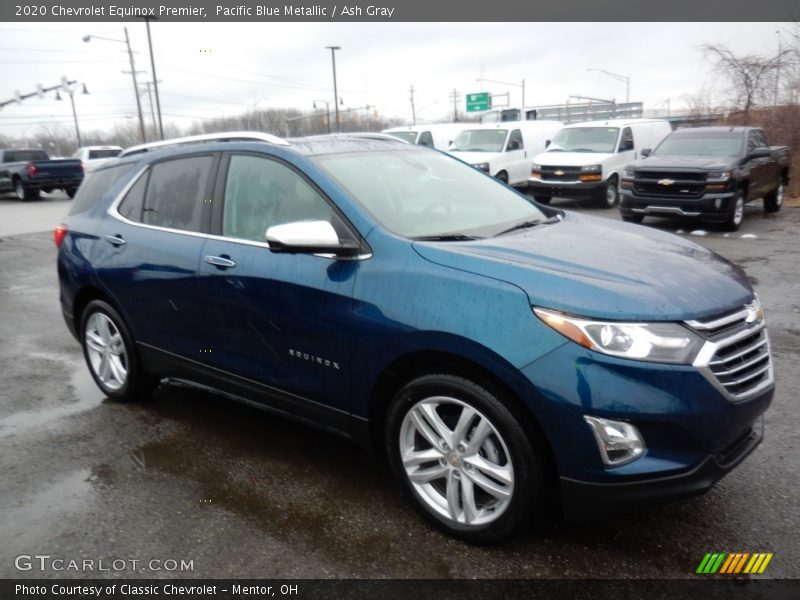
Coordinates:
69	88
618	77
333	50
127	42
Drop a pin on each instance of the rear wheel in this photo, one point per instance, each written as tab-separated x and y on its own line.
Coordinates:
736	213
111	355
502	176
774	200
610	195
463	459
24	193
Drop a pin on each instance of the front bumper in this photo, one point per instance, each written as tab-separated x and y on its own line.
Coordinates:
714	208
583	500
576	189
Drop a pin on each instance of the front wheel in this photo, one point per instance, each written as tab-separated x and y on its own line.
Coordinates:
502	176
610	195
774	200
71	192
736	213
111	355
463	459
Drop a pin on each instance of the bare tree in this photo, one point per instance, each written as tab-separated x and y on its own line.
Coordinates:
751	78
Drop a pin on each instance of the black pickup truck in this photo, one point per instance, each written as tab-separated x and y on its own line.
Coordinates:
27	172
706	173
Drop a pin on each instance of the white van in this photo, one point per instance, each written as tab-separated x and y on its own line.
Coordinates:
505	150
435	135
587	159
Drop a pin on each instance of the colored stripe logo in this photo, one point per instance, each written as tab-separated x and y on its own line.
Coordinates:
734	563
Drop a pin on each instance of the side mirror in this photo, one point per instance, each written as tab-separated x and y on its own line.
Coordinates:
512	146
309	237
761	152
547	143
645	152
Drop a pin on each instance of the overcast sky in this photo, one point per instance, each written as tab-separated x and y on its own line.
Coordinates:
213	69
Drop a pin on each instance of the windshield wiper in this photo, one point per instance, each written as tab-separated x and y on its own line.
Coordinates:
446	237
531	223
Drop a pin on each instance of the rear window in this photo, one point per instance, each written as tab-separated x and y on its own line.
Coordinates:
104	153
95	185
24	155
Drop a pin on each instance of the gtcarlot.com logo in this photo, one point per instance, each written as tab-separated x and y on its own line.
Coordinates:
734	563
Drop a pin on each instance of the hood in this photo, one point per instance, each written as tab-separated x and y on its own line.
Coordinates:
474	158
570	159
684	162
604	269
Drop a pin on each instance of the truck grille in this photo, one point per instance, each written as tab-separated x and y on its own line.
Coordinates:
560	173
677	176
676	190
736	356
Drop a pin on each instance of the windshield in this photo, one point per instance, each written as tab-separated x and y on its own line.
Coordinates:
480	140
406	136
717	144
419	193
104	153
585	139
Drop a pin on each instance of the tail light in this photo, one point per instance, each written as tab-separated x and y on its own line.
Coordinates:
59	234
31	169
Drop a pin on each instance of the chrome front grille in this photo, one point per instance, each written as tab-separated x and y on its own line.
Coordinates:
736	356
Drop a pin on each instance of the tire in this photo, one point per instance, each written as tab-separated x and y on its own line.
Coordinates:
543	199
774	200
736	213
609	196
502	176
111	355
632	218
71	192
447	481
24	194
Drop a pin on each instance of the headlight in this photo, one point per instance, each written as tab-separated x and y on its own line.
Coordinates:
718	175
628	172
482	167
535	167
591	169
656	342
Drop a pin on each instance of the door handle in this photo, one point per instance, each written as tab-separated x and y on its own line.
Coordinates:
220	261
115	240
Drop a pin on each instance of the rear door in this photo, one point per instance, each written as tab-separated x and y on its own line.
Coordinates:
149	252
280	320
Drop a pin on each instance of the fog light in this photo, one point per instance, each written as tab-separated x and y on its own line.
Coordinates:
718	203
619	442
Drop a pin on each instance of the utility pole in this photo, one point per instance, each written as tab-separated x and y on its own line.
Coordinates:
155	78
147	85
333	50
456	96
135	87
413	112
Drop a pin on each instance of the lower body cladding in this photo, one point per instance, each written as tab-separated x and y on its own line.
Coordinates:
712	208
689	433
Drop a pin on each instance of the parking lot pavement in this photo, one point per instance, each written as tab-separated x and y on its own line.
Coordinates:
191	476
17	218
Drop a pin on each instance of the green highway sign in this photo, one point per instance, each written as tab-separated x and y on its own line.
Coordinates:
480	101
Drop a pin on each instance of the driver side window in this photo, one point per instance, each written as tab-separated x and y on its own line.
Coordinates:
260	193
626	140
515	140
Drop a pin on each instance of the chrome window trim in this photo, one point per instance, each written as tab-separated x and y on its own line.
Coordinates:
113	212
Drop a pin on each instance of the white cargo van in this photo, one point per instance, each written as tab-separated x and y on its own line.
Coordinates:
587	159
435	135
505	150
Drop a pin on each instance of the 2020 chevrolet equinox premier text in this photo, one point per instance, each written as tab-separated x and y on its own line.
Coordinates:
502	354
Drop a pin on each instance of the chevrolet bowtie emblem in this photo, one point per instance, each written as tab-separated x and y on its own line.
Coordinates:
558	172
666	181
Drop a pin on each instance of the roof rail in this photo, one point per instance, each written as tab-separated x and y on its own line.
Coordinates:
227	136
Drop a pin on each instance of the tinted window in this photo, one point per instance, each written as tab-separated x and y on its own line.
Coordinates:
626	140
24	155
425	139
103	153
175	193
260	193
132	206
752	141
94	186
761	139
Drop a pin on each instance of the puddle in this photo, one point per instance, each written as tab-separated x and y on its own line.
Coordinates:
80	396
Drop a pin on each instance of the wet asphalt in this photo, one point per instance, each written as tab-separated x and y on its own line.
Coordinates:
244	494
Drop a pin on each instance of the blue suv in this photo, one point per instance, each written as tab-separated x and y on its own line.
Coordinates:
506	357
